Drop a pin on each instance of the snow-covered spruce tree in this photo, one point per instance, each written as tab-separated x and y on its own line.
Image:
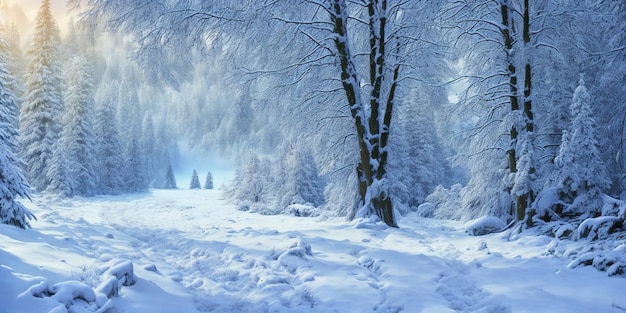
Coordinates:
14	62
195	181
78	140
250	183
240	117
13	185
134	176
61	182
110	163
208	182
8	119
39	119
170	179
302	183
149	148
582	175
601	50
417	164
12	182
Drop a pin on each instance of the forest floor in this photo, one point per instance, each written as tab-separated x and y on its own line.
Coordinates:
192	251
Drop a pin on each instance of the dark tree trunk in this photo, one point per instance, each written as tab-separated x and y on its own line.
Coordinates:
374	198
524	201
507	30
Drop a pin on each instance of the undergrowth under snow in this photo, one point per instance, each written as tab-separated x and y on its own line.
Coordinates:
190	251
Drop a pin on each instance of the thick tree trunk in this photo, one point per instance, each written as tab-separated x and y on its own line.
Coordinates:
374	197
507	28
524	201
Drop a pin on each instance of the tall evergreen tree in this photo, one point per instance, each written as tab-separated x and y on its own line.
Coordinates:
61	182
12	182
39	125
170	179
195	181
208	182
8	119
10	49
78	140
582	173
417	164
134	176
150	149
303	182
250	183
110	163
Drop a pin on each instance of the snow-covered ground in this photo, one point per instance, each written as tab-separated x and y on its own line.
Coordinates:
191	251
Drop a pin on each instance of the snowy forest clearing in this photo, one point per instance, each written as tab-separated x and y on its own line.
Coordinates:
191	251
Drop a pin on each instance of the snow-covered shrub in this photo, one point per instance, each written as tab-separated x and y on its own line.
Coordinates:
547	205
75	296
426	209
304	210
599	227
613	262
484	225
613	207
88	275
447	203
557	229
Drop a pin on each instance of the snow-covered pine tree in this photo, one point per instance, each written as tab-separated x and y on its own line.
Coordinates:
582	173
11	52
78	140
134	176
417	164
302	181
195	181
208	182
13	185
108	144
129	123
8	119
149	148
250	183
12	182
59	172
170	179
42	107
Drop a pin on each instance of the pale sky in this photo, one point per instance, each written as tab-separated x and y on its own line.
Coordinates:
30	8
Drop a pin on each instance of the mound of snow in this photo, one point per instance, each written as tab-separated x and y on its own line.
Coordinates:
484	225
